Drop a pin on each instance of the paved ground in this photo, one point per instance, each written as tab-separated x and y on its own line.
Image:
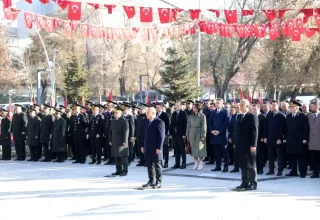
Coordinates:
31	190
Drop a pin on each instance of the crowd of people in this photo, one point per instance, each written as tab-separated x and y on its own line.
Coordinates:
208	131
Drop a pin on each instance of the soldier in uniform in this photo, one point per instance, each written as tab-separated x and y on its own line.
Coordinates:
139	133
129	117
95	135
18	129
38	112
66	118
59	146
119	136
108	116
46	133
33	135
5	135
296	137
80	124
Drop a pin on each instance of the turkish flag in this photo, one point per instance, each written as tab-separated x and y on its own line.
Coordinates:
202	26
171	32
290	27
260	31
231	16
282	12
250	30
109	32
29	1
126	33
165	32
216	11
10	13
146	34
110	8
154	32
40	22
74	10
102	31
192	30
7	3
241	96
175	12
271	14
96	6
317	19
28	20
63	4
229	31
310	32
195	14
117	34
273	34
130	11
110	96
74	25
308	12
296	36
66	102
247	12
259	98
56	23
44	1
85	30
176	30
284	28
222	30
299	25
317	10
164	15
67	27
49	24
146	14
275	27
93	32
210	28
239	29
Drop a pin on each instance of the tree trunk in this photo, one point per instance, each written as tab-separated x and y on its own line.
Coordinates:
294	93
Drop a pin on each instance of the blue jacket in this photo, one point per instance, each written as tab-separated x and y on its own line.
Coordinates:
153	139
274	127
220	123
233	127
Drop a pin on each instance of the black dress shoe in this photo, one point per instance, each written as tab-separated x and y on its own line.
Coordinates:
260	172
303	175
129	164
140	165
123	174
235	170
116	174
157	185
271	172
31	159
279	173
241	187
98	162
82	162
16	160
61	161
210	162
225	170
183	166
149	184
76	161
44	160
73	158
165	165
56	161
314	175
104	159
251	187
216	169
112	163
35	160
175	167
93	162
291	174
206	159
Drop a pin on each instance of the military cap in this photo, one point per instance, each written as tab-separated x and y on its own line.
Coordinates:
18	106
190	101
118	109
47	106
88	103
144	104
133	103
110	102
4	110
199	102
31	109
35	105
61	106
294	103
136	107
80	106
96	106
57	111
126	106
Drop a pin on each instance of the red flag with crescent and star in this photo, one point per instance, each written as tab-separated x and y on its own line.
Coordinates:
146	14
28	20
130	11
74	10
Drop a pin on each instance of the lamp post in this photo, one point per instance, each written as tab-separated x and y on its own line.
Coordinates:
39	85
140	80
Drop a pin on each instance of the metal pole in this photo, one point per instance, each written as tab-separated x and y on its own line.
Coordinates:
38	87
140	79
198	54
54	76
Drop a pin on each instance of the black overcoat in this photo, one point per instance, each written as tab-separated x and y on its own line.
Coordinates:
59	136
5	131
18	126
33	131
46	128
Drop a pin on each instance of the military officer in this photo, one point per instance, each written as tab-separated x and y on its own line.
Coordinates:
70	137
95	134
5	135
59	146
119	136
130	119
108	116
80	122
18	129
46	133
38	112
33	135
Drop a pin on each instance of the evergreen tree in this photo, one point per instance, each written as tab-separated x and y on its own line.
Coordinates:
178	81
75	81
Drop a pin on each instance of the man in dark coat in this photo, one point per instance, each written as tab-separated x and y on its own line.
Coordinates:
178	131
246	145
164	117
80	123
119	136
232	128
59	145
33	135
153	148
274	132
218	126
139	133
126	115
46	133
95	133
210	151
296	137
5	135
18	129
70	134
261	157
108	117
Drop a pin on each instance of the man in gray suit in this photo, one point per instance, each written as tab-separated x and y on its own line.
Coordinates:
314	137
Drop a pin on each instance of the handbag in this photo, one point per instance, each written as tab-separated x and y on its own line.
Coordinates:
188	148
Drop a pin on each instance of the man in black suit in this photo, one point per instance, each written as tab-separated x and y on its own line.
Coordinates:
232	128
130	119
153	148
18	129
139	133
246	144
46	130
5	135
165	118
178	131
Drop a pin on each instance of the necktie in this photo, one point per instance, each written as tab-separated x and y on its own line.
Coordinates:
177	115
274	114
293	116
314	117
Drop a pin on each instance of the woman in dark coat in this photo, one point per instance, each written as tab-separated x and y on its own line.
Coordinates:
59	145
33	135
5	136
